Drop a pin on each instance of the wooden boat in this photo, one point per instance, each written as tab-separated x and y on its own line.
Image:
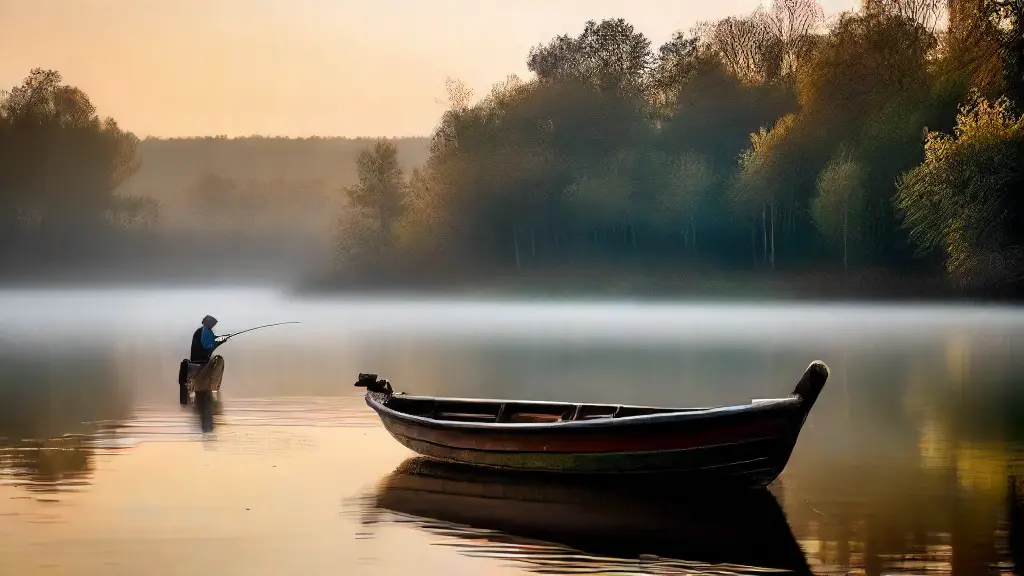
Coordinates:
201	377
746	445
591	524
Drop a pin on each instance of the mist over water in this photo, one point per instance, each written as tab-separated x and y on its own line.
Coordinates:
906	456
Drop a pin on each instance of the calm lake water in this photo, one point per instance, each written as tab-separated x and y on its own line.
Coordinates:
906	465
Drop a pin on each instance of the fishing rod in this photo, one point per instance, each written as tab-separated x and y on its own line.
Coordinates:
224	339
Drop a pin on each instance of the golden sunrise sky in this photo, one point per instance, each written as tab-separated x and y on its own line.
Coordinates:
302	67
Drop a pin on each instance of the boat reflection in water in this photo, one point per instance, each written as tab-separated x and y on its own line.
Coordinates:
563	526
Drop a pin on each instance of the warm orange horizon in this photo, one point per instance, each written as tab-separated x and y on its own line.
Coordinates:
302	68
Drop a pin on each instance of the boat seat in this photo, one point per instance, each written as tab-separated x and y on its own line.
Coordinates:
465	416
525	417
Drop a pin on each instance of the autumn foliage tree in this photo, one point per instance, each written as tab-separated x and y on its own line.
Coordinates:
773	141
965	198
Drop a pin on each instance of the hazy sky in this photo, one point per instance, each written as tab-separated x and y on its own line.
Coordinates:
302	67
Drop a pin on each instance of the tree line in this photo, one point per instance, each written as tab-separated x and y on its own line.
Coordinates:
888	138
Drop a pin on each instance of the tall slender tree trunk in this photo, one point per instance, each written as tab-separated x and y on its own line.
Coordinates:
772	208
693	232
753	242
792	218
882	228
764	229
846	267
383	218
515	244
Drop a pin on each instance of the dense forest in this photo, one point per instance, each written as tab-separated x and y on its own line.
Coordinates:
884	142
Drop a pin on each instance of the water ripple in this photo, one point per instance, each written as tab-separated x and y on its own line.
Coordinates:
65	464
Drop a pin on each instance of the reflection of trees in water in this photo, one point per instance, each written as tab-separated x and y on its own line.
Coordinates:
50	395
47	465
920	483
896	517
990	411
974	395
47	391
1015	522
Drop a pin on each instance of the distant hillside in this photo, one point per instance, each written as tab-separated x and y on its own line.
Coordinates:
170	167
171	164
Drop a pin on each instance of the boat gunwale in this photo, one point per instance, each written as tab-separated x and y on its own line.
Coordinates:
682	415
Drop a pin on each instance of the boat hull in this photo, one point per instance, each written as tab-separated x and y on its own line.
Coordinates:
750	455
747	445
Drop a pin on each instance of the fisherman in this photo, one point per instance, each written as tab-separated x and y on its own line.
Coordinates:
204	341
